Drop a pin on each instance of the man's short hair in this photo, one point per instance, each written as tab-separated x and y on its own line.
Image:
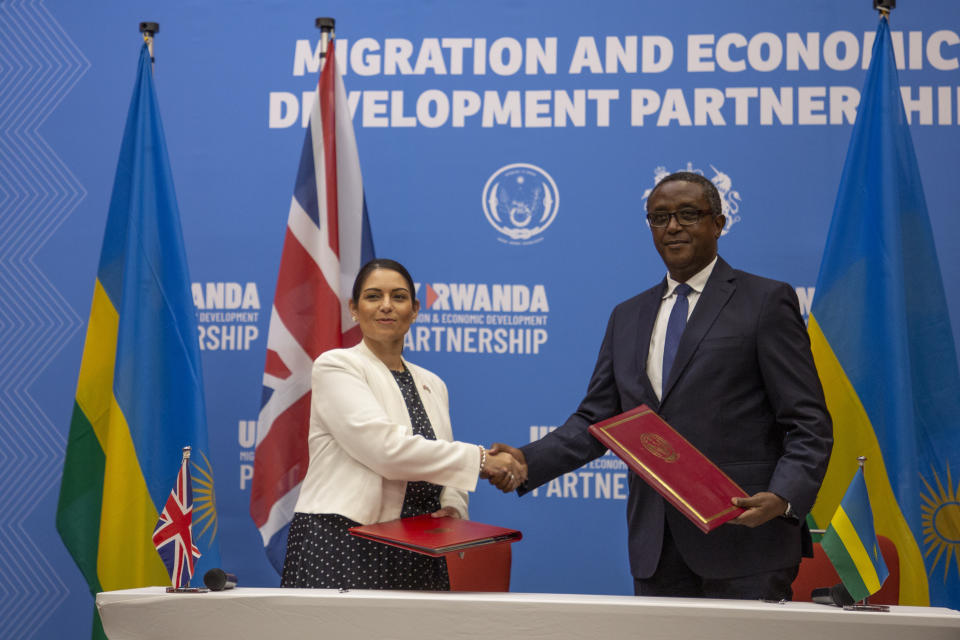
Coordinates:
709	190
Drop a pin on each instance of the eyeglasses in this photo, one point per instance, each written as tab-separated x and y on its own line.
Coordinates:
686	217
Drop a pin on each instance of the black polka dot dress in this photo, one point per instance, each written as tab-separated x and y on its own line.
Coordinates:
322	554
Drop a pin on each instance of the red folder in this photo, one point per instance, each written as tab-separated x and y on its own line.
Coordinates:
671	465
435	536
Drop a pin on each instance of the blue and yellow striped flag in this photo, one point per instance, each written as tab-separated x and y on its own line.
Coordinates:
883	345
139	393
851	543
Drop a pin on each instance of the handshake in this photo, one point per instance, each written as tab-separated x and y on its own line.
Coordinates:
505	467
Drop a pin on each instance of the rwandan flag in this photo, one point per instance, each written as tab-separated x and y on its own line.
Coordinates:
884	348
851	543
140	392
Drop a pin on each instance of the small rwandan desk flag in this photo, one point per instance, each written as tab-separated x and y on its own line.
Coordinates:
884	349
851	544
140	390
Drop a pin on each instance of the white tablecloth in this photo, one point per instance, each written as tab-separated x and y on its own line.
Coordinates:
278	614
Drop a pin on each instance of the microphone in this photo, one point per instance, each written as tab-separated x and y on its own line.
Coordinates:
836	595
218	580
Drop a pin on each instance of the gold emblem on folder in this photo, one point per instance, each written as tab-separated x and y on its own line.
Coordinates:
658	446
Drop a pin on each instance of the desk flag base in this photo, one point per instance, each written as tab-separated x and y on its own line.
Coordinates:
866	606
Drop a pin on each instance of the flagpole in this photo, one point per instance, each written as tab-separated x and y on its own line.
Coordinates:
326	26
149	29
281	454
185	461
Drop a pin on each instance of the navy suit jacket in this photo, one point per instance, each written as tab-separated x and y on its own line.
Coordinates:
743	390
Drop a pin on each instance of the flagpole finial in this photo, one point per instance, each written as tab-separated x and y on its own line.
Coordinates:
861	460
326	26
884	6
149	29
186	453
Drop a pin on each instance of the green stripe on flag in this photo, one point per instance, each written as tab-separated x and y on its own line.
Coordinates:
858	553
844	564
81	494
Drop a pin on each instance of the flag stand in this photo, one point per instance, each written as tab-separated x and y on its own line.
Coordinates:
864	605
188	588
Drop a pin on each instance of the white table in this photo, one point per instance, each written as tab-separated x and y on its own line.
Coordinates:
277	614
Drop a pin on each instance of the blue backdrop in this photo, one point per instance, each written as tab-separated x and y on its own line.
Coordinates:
517	266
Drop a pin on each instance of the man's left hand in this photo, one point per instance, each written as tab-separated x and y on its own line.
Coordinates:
760	508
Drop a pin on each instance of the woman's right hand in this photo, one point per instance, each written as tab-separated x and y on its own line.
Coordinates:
504	470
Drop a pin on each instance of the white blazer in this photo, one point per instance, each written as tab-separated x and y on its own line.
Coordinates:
362	448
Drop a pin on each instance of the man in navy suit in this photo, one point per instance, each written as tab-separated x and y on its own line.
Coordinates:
741	387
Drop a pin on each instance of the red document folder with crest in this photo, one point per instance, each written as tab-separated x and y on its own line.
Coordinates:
671	465
435	536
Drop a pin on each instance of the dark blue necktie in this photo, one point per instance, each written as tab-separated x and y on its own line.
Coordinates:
675	326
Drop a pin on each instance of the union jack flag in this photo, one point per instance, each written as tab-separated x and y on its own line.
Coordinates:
327	241
173	536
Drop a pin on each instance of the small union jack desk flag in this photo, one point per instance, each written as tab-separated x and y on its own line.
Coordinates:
173	536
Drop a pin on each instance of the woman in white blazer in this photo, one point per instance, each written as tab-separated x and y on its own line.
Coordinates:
381	448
